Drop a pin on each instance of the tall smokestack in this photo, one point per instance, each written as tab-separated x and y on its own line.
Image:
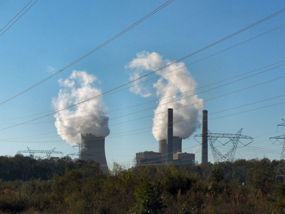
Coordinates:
169	160
204	151
93	148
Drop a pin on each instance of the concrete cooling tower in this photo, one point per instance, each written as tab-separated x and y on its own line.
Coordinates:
93	148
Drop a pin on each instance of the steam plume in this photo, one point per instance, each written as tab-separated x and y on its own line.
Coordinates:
175	90
144	61
87	117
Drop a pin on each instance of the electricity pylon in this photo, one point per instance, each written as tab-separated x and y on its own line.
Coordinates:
280	139
233	138
281	124
32	152
80	147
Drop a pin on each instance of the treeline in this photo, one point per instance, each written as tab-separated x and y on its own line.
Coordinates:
26	168
67	186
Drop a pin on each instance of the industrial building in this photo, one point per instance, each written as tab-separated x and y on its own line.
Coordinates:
149	157
170	150
179	158
93	148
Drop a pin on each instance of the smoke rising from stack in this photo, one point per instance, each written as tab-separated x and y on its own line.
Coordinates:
175	90
144	62
87	117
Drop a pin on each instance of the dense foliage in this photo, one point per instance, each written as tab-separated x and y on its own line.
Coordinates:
67	186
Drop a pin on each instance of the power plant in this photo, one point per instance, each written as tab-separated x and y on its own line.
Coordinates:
177	145
170	149
89	118
93	148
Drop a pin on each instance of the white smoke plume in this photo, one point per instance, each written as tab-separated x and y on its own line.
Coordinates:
144	61
176	89
87	117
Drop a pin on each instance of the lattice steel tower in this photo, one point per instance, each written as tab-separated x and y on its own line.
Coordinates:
280	139
233	138
79	145
32	152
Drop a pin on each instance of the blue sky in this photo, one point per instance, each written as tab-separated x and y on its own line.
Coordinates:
52	34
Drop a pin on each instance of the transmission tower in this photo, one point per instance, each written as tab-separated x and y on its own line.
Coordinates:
32	152
281	124
280	139
79	145
234	139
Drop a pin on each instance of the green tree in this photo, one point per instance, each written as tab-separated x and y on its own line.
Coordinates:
217	175
148	196
261	174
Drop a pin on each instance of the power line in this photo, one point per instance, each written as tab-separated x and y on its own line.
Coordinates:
212	98
219	53
167	27
17	18
164	124
204	92
149	115
262	149
111	90
219	117
94	50
132	26
249	110
211	155
185	67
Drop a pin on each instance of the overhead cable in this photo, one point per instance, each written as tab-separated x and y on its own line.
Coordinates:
132	26
94	50
138	83
17	18
111	90
121	134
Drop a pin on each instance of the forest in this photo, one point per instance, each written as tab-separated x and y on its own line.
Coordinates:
63	185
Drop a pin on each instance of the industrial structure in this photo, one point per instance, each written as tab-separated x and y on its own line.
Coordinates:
232	138
204	150
170	149
77	154
47	152
280	139
93	148
169	140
